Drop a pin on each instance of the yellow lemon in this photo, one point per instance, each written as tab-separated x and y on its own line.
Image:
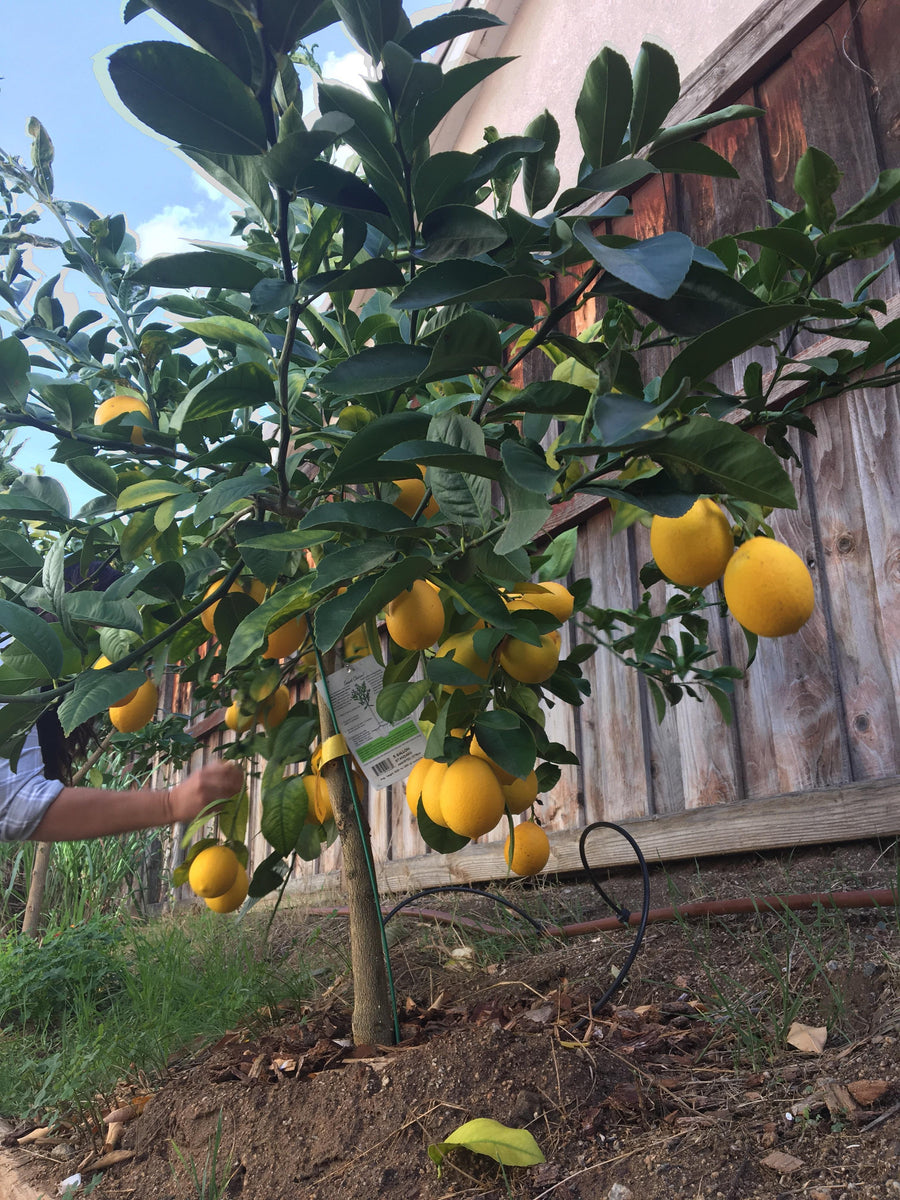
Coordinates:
115	406
276	708
521	793
471	798
549	597
237	720
231	900
431	792
692	550
250	587
412	492
134	714
286	638
356	644
213	871
530	849
461	648
768	588
415	618
504	776
527	663
414	782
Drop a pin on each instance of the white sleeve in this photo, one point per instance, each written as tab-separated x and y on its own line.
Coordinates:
26	793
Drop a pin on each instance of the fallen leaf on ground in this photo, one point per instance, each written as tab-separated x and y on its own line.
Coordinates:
868	1091
808	1038
783	1163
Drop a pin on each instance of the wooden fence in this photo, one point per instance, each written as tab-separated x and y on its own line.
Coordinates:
813	753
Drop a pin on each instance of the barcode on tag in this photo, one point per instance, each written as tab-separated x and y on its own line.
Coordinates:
381	768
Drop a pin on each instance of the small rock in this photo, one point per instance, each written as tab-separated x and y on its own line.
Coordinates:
869	969
63	1151
619	1191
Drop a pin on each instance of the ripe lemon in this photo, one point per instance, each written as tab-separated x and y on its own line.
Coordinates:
356	644
503	776
231	900
693	550
411	493
115	406
527	663
251	587
521	793
286	638
768	588
102	662
472	800
275	708
237	720
415	618
549	597
213	871
414	782
354	417
531	849
137	712
460	647
431	792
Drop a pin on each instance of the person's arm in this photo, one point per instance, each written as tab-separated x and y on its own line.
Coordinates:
80	812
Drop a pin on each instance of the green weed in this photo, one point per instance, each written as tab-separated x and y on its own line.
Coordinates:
207	1180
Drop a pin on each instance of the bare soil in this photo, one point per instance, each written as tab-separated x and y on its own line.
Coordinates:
683	1086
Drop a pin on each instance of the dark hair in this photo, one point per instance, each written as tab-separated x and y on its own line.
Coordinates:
62	753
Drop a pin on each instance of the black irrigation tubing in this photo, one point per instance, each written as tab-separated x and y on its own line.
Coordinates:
622	914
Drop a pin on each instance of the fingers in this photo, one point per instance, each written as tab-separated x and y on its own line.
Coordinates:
222	779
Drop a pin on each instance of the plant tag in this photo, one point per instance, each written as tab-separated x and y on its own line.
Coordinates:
386	752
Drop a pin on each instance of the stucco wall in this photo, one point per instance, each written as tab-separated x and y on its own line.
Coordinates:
555	40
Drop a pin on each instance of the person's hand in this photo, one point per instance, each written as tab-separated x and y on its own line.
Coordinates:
215	780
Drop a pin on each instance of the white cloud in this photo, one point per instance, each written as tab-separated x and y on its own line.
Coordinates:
171	231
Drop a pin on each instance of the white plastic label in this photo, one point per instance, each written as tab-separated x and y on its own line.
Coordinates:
387	753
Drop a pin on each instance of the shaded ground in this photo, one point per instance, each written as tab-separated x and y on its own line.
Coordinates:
684	1087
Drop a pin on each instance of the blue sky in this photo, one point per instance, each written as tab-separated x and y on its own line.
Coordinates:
51	59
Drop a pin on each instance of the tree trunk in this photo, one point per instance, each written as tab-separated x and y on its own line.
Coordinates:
34	903
372	1009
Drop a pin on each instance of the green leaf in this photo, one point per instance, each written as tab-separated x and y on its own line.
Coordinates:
458	231
463	498
342	566
657	86
607	179
286	23
371	23
14	368
463	280
446	27
705	299
505	737
527	468
97	609
230	329
691	129
540	174
222	495
693	158
816	179
94	692
188	96
241	449
789	243
398	700
463	345
603	108
439	839
527	512
199	268
377	369
19	560
288	162
36	635
242	175
94	472
881	195
858	241
149	491
373	273
284	811
657	265
427	452
552	397
41	154
512	1147
248	385
327	184
358	461
707	456
719	346
559	556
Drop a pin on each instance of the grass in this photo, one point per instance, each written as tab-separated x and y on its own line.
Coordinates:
114	1000
208	1180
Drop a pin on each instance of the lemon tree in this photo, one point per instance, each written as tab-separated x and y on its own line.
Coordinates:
289	435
